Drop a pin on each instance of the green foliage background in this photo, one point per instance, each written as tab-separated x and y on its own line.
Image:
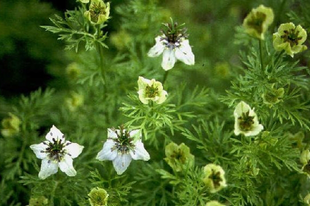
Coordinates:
261	170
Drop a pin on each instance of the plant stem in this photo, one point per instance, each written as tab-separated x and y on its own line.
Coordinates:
53	193
278	57
102	69
261	54
165	77
100	51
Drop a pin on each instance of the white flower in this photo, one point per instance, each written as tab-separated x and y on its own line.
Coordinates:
56	152
174	45
246	121
121	147
151	90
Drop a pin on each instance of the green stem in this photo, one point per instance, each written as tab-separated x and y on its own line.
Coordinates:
165	77
261	54
278	57
280	12
53	193
102	69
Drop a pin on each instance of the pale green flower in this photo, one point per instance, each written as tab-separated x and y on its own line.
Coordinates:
38	201
297	138
73	70
98	197
151	90
214	203
74	101
56	152
290	39
98	12
214	177
273	96
178	156
121	147
305	157
246	121
307	199
121	39
10	125
84	1
257	21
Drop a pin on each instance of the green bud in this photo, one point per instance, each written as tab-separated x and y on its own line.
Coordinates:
98	197
222	69
10	125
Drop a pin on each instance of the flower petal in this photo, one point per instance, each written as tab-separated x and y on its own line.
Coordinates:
66	165
139	153
157	49
168	59
107	152
54	133
39	150
112	134
184	53
74	149
121	163
48	168
241	108
135	133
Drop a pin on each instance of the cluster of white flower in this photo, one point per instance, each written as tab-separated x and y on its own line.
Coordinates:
121	147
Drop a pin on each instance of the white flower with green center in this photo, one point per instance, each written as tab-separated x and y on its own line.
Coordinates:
151	90
174	45
246	121
121	147
56	152
290	39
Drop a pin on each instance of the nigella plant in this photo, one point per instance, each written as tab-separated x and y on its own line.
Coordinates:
121	147
174	45
56	152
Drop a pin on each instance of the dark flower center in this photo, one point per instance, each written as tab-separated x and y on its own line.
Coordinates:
95	11
123	143
179	155
55	149
246	121
151	91
291	37
216	178
256	22
173	34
